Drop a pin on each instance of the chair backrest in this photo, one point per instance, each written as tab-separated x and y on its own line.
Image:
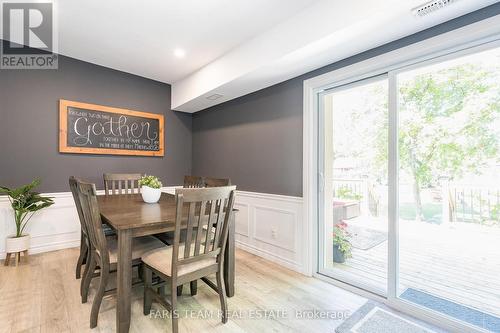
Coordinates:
92	218
199	182
206	223
74	192
121	183
217	182
193	182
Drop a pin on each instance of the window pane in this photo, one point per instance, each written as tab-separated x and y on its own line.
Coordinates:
449	187
355	158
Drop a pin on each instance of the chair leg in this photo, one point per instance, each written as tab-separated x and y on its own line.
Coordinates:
81	257
194	287
161	291
222	295
87	276
140	271
86	270
147	276
103	281
173	302
179	290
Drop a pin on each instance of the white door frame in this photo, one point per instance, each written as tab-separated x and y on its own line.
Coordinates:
328	271
461	40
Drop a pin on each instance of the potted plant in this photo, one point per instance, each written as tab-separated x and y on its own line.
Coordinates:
25	203
150	188
341	245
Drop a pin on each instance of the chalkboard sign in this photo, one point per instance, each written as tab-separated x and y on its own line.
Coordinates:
96	129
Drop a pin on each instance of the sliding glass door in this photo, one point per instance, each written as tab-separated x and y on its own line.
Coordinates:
409	186
449	187
354	199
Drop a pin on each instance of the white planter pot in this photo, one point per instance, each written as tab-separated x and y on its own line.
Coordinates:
17	244
150	195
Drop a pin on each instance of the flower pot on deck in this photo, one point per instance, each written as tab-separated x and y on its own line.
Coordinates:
338	256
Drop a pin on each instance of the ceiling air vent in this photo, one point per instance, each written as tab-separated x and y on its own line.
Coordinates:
431	6
214	97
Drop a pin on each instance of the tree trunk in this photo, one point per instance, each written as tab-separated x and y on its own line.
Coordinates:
419	216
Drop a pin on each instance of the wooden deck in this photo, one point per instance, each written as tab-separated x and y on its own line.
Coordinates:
458	261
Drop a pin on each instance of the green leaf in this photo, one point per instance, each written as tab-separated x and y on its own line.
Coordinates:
25	201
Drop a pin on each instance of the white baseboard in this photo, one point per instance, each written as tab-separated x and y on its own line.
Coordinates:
269	256
267	225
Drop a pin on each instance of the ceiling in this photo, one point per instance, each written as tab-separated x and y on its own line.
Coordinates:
140	37
233	47
324	32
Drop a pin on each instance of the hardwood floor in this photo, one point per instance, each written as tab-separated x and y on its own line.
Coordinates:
43	296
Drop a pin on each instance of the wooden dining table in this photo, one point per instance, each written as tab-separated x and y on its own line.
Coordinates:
131	217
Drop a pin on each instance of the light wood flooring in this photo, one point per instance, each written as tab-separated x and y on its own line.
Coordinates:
43	296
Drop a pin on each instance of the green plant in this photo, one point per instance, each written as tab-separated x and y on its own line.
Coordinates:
495	212
341	239
150	181
445	125
25	203
347	193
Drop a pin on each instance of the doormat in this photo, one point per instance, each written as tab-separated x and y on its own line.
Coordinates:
365	238
372	318
452	309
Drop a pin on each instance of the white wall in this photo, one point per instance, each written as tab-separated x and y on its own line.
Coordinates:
267	225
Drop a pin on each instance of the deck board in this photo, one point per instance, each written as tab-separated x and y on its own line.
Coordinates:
459	262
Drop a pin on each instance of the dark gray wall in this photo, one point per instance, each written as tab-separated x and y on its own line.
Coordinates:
257	139
29	125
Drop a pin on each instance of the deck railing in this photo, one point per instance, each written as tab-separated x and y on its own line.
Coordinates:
461	203
469	203
356	186
361	187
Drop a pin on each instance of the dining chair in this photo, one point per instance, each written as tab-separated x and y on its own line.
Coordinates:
84	241
168	237
217	182
114	183
121	183
102	249
118	184
202	253
193	182
189	182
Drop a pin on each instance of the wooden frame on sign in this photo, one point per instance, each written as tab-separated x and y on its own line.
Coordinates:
63	130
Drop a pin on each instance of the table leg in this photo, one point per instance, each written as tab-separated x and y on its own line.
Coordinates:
124	281
229	259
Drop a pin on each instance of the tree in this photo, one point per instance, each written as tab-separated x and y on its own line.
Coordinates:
447	124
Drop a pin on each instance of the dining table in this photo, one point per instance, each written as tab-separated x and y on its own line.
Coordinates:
131	217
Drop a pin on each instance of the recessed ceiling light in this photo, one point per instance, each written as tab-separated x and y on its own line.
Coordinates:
179	53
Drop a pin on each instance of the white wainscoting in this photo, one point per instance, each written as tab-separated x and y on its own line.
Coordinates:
53	228
267	225
271	226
